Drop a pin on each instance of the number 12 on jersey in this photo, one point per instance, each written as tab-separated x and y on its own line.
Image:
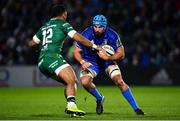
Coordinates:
47	35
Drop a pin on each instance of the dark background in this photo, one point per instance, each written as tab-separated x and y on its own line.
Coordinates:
149	31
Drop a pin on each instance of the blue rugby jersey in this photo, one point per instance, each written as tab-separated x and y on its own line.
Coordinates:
110	37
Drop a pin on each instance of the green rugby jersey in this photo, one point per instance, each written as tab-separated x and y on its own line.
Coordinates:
52	36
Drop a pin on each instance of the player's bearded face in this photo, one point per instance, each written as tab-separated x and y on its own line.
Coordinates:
98	30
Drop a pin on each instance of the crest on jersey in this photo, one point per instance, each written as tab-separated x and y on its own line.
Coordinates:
104	42
118	42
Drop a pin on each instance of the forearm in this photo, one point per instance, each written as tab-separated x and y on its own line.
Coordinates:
78	57
116	57
119	55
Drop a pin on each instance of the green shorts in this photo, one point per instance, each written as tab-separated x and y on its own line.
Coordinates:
51	64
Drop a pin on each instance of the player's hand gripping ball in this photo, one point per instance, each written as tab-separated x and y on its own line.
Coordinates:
109	50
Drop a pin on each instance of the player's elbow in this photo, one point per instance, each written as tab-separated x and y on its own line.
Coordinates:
32	44
121	53
122	56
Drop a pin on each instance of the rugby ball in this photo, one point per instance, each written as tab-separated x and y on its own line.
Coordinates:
109	50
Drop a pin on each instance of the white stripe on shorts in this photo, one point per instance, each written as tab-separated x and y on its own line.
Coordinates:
61	68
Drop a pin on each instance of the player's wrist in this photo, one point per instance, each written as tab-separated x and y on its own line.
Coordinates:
94	46
82	62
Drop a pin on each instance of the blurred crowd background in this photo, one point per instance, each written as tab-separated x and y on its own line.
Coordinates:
149	29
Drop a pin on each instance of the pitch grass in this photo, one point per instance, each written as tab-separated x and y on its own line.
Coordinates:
160	103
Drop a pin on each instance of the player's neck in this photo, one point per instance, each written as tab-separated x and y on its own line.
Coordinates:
60	18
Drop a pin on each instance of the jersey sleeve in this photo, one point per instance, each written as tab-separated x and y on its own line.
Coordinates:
68	29
116	41
37	37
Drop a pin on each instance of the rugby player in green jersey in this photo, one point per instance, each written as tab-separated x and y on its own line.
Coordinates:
51	37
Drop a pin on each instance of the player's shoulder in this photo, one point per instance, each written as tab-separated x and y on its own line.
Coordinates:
111	33
88	31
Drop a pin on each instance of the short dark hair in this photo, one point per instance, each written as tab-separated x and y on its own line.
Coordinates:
57	10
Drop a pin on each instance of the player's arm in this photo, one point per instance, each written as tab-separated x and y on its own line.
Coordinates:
67	28
34	42
77	54
79	38
119	54
78	57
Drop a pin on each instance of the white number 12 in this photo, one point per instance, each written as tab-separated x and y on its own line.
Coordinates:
47	35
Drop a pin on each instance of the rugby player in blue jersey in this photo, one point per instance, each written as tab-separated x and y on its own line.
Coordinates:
93	62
